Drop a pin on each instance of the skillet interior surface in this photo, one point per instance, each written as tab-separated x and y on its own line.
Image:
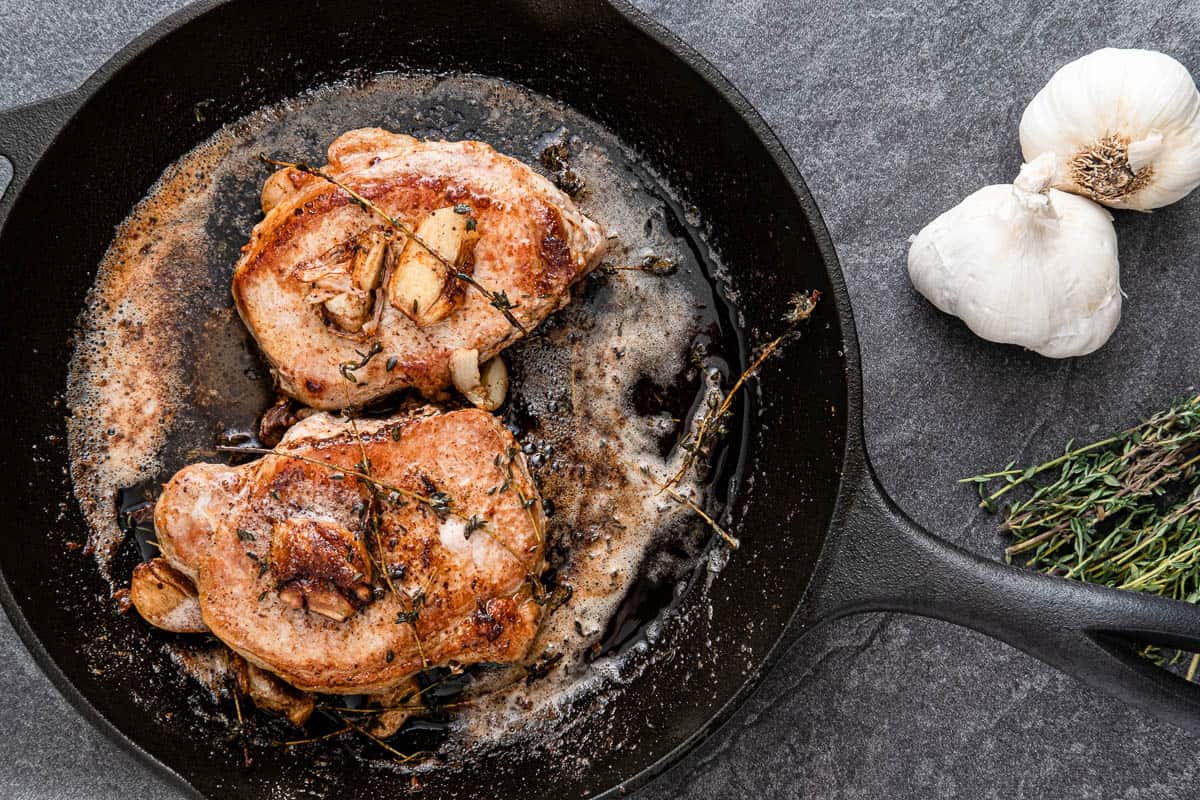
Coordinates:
160	104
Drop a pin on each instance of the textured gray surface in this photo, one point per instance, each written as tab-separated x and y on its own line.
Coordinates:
893	113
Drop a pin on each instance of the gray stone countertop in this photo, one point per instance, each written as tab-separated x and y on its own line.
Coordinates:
893	111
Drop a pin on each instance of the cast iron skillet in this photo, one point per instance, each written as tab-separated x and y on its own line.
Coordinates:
821	538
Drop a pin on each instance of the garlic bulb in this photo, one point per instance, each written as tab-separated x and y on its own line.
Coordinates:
1125	125
1024	264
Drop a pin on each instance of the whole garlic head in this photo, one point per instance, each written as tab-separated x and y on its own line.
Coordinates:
1124	125
1024	264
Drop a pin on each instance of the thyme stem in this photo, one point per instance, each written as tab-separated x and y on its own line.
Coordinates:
262	451
315	739
1027	474
373	508
241	731
403	757
733	543
800	308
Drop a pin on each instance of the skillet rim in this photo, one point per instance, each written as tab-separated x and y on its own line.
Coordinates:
853	451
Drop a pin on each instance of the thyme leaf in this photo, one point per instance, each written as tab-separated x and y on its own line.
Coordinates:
473	524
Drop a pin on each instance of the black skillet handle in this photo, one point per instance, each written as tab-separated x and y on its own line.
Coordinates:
885	562
25	133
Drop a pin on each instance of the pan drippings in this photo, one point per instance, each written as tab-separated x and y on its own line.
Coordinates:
601	393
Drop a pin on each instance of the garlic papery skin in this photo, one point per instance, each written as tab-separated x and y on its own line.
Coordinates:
1125	125
1024	264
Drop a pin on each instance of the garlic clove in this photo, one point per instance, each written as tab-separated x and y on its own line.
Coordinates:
464	368
421	287
369	260
166	598
1143	152
349	311
276	189
1124	125
484	386
1025	265
494	381
330	604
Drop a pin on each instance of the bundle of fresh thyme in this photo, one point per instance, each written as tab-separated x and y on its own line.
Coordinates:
1123	512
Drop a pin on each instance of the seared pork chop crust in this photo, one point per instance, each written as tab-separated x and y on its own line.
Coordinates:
342	584
315	282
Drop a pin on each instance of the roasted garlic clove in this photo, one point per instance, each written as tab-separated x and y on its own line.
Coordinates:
321	565
345	277
271	694
422	287
329	603
276	189
349	310
464	369
486	386
276	420
166	598
369	261
494	379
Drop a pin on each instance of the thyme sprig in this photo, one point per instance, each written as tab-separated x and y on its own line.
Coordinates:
398	757
1123	511
349	727
374	514
314	739
497	299
800	308
434	501
505	465
730	540
659	266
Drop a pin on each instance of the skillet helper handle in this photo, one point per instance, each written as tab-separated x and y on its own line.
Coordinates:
886	562
25	133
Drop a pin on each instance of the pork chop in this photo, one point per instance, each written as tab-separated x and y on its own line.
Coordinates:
343	578
325	281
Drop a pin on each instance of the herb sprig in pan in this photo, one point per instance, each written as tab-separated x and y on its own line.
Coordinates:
698	443
1123	511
